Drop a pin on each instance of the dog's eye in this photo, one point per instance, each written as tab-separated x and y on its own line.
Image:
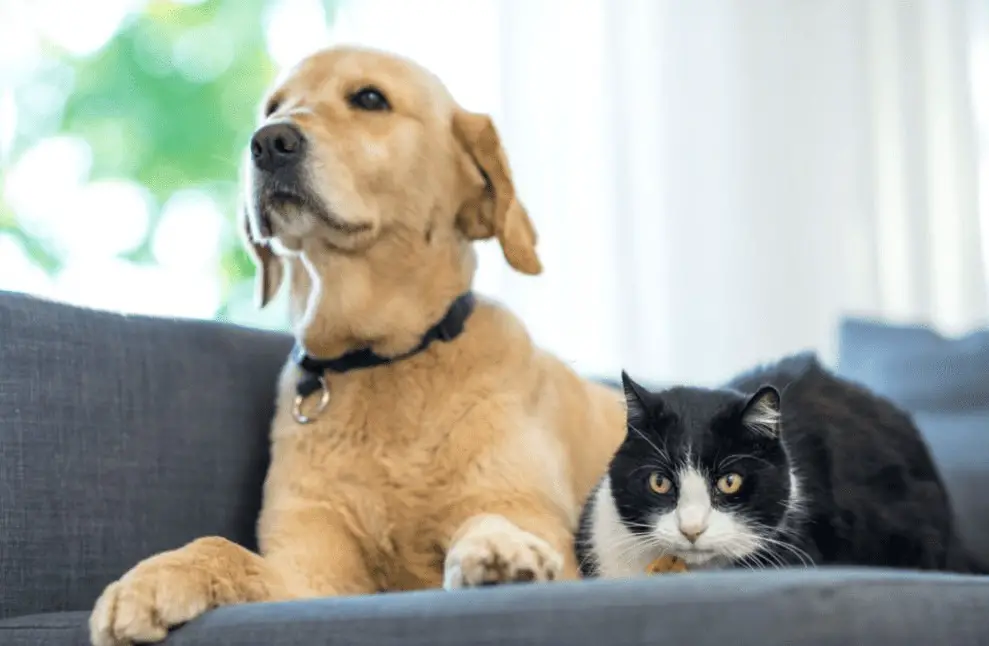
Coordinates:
369	99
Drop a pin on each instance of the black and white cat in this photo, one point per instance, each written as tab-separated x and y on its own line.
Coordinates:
786	466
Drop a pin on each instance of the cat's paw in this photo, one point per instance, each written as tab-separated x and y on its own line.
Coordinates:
667	564
497	551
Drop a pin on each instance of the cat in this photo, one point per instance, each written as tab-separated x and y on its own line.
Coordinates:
787	465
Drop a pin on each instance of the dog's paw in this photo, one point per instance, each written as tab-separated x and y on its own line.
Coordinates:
156	595
500	553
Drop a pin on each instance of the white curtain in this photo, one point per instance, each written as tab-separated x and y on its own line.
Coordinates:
717	182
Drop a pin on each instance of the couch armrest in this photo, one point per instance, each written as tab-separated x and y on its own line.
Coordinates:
121	437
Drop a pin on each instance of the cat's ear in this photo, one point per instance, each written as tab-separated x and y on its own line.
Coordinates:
762	412
635	404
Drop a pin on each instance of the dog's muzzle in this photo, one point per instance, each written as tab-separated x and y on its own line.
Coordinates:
278	152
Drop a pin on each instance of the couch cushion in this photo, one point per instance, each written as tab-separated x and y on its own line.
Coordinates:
121	437
807	608
917	367
944	383
69	628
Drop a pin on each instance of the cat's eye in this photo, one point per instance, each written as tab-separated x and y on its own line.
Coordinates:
660	484
730	483
369	99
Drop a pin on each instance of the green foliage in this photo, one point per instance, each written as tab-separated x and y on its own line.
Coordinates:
169	103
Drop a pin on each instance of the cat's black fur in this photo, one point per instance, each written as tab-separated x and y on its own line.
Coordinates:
870	492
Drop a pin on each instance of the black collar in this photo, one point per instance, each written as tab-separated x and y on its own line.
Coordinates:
449	328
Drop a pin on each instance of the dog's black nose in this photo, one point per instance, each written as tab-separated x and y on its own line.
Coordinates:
276	146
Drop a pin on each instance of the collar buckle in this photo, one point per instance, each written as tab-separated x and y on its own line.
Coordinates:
305	390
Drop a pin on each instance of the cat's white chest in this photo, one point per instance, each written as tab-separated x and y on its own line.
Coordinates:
619	553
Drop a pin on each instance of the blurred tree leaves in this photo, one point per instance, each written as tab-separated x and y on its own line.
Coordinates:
169	102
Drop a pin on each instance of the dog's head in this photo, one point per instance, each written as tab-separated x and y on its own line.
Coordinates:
370	182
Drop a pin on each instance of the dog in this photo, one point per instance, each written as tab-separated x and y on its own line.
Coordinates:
402	458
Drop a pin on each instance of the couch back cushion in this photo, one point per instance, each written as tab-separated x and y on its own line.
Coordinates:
121	437
944	383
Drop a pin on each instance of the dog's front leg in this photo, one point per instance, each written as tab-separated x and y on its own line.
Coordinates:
493	548
309	555
173	587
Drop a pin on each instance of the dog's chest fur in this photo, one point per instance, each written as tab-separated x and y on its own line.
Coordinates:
411	450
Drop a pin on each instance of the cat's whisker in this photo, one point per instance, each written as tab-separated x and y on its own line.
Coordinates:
766	550
763	557
627	555
776	560
632	541
630	548
731	459
749	561
744	558
633	548
663	454
764	533
804	558
762	551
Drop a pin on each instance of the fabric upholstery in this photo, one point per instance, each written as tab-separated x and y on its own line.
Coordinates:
917	367
809	608
121	437
944	383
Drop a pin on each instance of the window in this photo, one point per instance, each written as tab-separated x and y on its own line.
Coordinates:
122	125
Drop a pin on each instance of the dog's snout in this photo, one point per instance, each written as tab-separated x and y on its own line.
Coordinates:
276	146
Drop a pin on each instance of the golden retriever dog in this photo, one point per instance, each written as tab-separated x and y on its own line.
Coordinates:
454	463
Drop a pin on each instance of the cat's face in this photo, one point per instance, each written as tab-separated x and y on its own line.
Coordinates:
702	474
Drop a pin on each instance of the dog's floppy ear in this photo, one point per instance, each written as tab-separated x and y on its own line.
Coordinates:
269	268
496	211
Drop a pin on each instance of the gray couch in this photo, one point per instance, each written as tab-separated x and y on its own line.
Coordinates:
124	436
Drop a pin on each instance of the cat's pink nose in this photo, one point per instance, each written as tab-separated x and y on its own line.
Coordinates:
692	532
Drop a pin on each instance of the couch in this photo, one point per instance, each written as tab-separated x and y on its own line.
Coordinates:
121	436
